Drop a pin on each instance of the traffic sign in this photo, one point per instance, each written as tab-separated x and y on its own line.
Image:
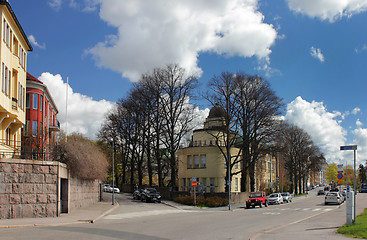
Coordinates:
194	179
194	183
350	147
340	176
340	182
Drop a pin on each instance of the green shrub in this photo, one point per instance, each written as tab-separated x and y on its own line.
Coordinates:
202	201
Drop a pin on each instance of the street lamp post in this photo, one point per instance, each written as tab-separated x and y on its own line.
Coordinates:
113	172
354	148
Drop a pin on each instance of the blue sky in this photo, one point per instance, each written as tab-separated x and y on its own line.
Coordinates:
312	52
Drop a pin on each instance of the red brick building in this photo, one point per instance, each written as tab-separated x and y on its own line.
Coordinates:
41	126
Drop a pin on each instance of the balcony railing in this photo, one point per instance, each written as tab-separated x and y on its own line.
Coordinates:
14	103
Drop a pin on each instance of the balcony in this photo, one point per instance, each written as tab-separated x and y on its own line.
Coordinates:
14	103
55	127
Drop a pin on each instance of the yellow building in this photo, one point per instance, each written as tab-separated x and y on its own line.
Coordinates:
266	173
204	160
13	54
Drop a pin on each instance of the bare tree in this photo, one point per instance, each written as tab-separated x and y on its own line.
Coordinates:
177	112
221	95
257	108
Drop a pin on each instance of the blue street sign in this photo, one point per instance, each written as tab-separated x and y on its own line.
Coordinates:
351	147
194	179
340	175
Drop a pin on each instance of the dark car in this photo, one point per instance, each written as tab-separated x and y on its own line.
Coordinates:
150	195
321	192
137	193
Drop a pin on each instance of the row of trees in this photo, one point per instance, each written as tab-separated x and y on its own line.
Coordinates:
150	124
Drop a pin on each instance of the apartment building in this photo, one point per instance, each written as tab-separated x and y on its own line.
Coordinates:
39	133
13	58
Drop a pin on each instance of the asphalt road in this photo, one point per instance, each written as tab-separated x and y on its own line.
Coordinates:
304	218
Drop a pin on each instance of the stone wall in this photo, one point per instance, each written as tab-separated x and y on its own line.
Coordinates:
28	188
83	193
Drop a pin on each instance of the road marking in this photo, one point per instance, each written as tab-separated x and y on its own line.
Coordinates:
316	209
141	214
306	209
271	213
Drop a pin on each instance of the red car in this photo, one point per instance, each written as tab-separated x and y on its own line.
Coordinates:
257	199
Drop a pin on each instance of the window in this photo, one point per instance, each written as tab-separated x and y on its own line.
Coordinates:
3	77
35	101
212	185
202	161
189	161
200	143
210	143
41	130
34	129
196	161
27	100
203	184
41	103
236	184
184	184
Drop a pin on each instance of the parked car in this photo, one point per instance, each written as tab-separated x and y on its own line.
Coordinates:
137	193
321	192
113	189
106	187
150	195
275	198
287	197
363	188
333	198
257	199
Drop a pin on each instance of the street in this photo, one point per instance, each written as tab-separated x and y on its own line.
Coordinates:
304	218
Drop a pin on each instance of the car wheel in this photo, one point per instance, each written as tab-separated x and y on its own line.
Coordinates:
146	200
247	207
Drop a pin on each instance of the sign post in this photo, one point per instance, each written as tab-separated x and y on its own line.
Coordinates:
194	185
354	148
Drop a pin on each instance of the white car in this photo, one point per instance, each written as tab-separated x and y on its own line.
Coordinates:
275	198
106	187
113	189
333	197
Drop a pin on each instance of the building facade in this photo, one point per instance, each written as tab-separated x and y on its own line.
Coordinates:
204	159
41	126
13	57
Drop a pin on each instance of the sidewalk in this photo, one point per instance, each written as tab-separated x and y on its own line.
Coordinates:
88	214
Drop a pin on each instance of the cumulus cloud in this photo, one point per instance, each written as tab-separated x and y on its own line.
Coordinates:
320	124
316	53
155	33
361	49
33	41
330	10
85	115
356	110
360	136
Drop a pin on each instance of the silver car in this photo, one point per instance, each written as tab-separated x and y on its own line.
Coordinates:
287	197
333	198
275	198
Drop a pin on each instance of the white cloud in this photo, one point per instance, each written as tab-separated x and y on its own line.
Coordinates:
330	10
85	115
55	4
359	123
361	49
356	110
316	53
320	124
155	33
360	135
33	41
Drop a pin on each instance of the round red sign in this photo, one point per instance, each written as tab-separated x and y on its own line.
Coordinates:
194	183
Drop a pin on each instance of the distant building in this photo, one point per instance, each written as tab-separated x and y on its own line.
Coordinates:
204	160
41	126
13	57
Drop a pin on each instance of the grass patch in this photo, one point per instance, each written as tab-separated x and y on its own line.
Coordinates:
301	194
358	229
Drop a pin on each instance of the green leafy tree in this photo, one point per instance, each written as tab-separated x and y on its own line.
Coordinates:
362	173
331	172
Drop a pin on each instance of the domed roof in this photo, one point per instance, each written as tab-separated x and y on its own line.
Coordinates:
217	112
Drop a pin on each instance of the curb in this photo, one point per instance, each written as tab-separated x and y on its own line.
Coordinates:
61	224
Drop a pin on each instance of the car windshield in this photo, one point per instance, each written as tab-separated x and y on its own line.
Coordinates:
254	195
273	195
151	190
284	194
